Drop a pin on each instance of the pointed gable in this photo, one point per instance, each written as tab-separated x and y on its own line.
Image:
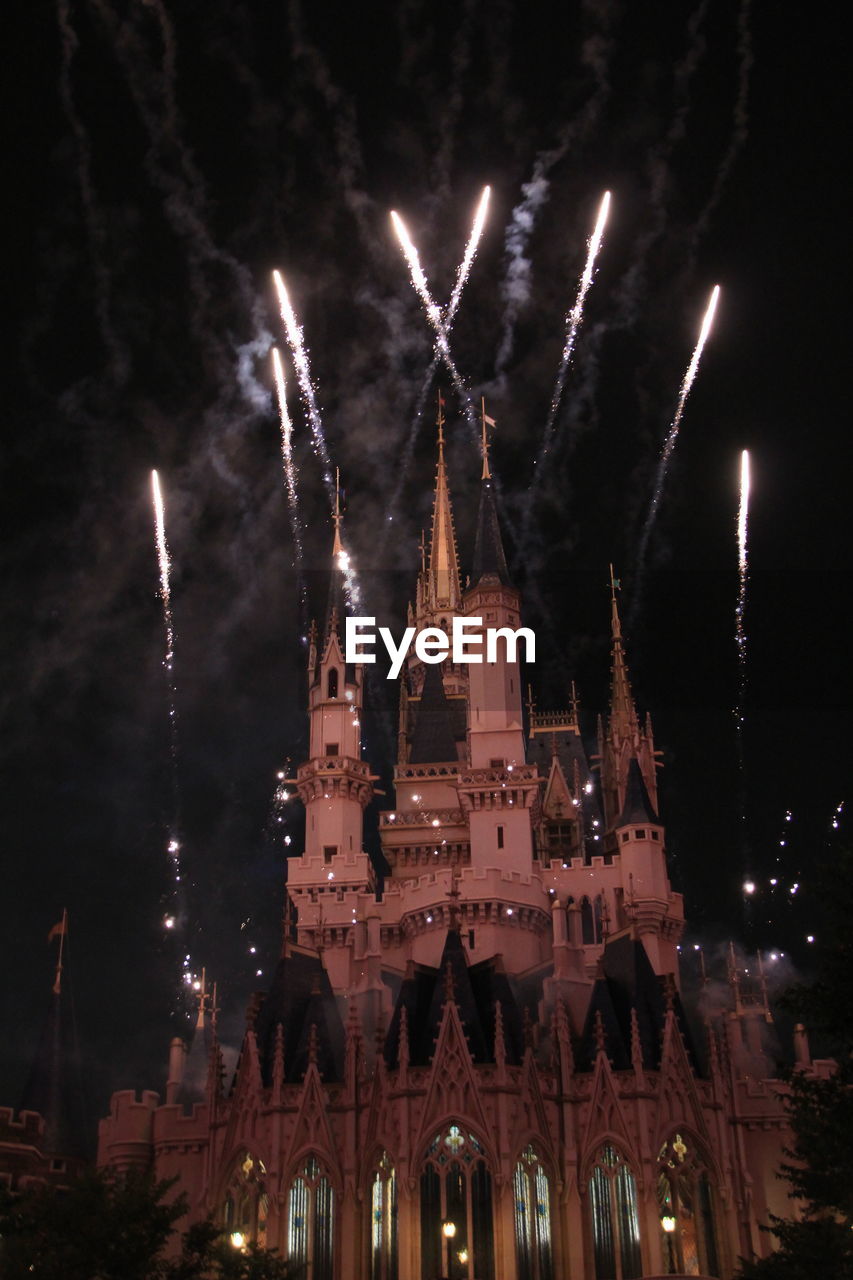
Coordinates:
489	559
637	807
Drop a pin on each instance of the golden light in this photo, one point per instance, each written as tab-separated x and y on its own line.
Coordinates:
462	1255
238	1240
448	1230
668	1223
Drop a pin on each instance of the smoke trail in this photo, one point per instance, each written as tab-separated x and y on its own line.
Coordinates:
573	323
173	172
95	229
516	286
460	61
669	445
740	127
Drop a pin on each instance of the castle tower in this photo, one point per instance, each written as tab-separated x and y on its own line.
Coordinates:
500	791
334	784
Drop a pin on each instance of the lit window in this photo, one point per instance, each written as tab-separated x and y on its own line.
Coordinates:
615	1218
383	1222
310	1222
686	1205
457	1236
246	1200
532	1218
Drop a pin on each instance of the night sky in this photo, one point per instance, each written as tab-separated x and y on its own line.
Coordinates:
162	159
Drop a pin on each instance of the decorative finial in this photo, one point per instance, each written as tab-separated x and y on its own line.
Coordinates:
449	984
439	422
59	931
599	1033
313	1046
338	546
500	1042
486	422
422	549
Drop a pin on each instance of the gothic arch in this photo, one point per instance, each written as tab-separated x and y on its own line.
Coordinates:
311	1196
456	1177
243	1199
609	1191
689	1203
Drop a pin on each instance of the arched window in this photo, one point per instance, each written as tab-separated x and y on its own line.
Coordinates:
310	1221
456	1209
615	1218
532	1218
246	1200
383	1221
591	913
332	686
686	1205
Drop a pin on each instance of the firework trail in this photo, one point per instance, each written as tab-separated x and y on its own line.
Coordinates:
289	471
433	314
452	307
318	435
175	915
669	444
573	323
743	570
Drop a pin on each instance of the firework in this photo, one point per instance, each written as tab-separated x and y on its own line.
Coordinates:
573	321
433	314
470	252
289	468
175	914
303	374
670	441
743	567
452	307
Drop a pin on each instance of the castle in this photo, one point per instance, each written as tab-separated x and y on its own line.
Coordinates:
478	1067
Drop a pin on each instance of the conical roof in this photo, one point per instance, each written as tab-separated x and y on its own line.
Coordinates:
433	741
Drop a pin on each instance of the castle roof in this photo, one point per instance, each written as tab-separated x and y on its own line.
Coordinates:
489	559
433	740
300	996
637	807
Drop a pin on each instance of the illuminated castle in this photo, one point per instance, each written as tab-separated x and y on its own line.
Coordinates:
479	1068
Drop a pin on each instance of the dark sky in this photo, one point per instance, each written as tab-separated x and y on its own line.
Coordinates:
161	161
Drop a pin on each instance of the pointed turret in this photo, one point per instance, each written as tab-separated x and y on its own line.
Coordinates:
439	591
623	713
336	606
622	740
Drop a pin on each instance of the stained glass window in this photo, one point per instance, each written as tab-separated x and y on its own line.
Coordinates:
532	1217
457	1233
246	1200
686	1206
615	1218
310	1221
383	1221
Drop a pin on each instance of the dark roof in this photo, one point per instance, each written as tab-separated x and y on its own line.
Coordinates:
628	982
457	709
489	559
433	740
638	806
300	996
476	990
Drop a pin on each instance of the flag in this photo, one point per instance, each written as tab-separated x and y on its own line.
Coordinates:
489	421
58	930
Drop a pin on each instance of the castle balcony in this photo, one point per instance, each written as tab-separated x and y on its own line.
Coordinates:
334	764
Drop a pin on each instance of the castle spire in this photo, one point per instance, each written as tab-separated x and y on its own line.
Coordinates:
336	607
440	588
623	712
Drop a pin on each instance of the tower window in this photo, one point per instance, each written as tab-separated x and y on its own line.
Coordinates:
500	837
639	834
626	835
471	939
332	687
332	748
329	851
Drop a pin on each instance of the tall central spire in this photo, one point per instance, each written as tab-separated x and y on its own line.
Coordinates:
623	712
440	583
